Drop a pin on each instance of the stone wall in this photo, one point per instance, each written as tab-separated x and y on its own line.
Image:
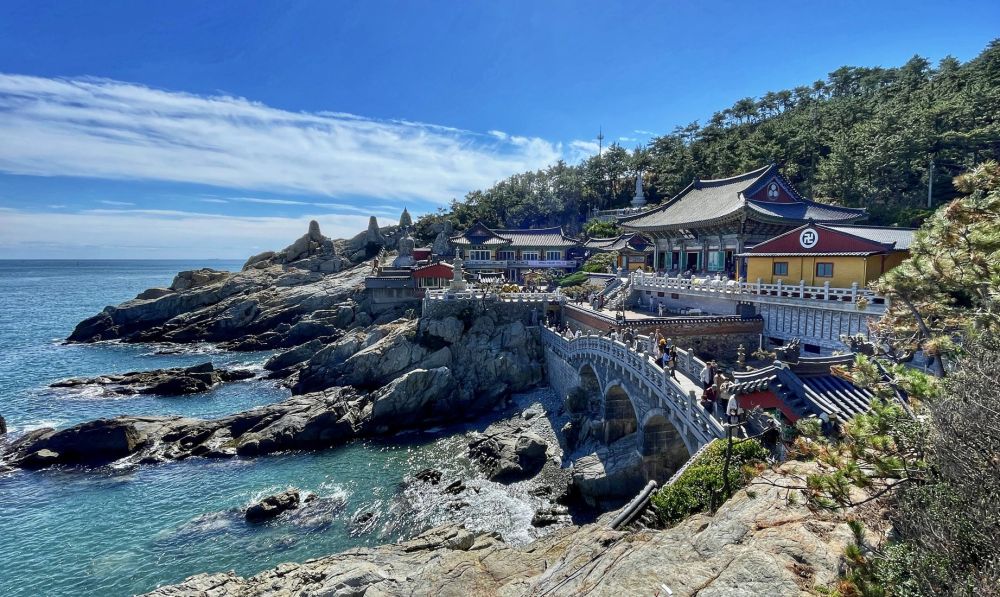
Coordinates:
562	377
818	327
715	337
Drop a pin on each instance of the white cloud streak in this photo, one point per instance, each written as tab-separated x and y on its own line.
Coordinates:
116	130
151	233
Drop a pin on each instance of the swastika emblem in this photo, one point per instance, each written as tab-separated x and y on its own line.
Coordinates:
808	238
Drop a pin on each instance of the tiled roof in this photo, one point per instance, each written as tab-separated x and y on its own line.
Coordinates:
832	394
708	200
538	237
619	242
699	201
806	210
804	254
478	235
902	238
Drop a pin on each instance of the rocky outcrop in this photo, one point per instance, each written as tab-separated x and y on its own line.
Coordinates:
3	425
609	475
402	375
272	506
162	382
762	543
461	363
510	457
280	300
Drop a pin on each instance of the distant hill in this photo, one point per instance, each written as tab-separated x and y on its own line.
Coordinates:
861	137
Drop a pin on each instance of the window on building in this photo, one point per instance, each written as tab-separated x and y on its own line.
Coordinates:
553	255
824	270
505	255
529	255
479	255
780	268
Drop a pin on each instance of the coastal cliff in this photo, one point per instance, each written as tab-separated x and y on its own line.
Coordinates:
763	541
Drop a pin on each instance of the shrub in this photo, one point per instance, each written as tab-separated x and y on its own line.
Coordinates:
574	279
600	262
701	486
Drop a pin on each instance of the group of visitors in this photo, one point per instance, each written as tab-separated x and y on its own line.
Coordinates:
666	353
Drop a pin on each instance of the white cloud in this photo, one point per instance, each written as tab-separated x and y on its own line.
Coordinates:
115	130
110	233
642	132
109	202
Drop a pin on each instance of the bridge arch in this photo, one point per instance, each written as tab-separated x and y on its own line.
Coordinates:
661	446
620	417
587	396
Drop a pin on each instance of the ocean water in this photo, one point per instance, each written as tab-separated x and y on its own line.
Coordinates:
122	530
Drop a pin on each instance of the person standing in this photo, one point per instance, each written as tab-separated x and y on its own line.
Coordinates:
707	376
672	352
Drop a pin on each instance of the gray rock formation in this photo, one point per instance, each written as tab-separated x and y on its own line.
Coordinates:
3	425
270	306
611	474
510	457
397	376
272	506
163	382
768	544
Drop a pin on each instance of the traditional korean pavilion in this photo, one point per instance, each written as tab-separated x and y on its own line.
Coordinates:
511	252
707	224
634	250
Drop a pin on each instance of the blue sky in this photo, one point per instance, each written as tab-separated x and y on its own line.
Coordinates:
217	129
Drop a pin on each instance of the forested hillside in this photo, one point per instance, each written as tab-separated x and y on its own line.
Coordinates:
861	137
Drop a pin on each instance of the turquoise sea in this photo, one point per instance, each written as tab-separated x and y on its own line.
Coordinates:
122	530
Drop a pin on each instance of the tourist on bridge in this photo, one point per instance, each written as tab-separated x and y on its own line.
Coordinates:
708	375
659	309
672	352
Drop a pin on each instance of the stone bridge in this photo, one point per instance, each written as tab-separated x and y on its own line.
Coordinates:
626	393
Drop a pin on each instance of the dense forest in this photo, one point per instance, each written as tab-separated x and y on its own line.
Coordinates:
861	137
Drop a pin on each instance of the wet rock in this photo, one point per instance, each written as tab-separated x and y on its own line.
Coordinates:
96	442
455	487
429	475
163	382
272	506
551	515
509	458
3	425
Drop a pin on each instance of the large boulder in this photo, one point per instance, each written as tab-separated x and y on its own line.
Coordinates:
96	442
509	458
272	506
611	474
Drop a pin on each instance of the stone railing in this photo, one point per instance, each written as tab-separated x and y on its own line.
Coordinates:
667	393
507	297
750	290
507	263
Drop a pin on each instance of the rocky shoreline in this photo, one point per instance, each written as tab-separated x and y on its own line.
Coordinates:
763	541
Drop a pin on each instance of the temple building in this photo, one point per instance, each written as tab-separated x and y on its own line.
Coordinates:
816	254
512	252
710	222
635	251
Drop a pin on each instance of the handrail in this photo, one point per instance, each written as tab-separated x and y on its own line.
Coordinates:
507	297
733	287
